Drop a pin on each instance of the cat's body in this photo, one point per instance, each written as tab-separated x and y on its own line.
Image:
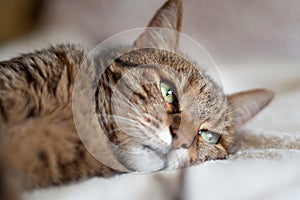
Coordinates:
39	139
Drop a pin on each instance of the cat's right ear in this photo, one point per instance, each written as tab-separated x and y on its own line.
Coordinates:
168	17
247	104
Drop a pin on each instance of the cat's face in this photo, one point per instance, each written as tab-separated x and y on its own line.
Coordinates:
160	111
164	112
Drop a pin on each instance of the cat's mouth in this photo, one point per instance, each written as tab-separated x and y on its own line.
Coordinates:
162	154
148	147
154	149
161	151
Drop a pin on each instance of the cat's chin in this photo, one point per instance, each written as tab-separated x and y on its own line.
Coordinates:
177	159
143	161
150	161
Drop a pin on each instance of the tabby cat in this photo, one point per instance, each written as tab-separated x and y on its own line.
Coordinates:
178	118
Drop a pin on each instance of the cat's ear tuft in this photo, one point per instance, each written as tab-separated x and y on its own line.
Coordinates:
247	104
169	18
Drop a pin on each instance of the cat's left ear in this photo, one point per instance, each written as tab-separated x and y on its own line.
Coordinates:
169	18
247	104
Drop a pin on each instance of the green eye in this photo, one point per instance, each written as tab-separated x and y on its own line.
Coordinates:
209	136
167	92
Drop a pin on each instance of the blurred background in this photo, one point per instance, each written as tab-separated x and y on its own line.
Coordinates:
243	28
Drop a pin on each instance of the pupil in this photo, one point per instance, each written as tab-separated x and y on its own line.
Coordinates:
209	136
169	92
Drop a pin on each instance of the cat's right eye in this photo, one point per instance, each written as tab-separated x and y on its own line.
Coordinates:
167	92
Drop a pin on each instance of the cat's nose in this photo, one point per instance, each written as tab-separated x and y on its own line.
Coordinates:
181	130
181	141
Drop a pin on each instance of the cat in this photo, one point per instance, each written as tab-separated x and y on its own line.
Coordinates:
181	117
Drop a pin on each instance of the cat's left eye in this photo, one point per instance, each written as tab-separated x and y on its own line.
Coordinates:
209	136
167	92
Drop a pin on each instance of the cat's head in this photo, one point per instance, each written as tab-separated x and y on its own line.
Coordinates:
160	111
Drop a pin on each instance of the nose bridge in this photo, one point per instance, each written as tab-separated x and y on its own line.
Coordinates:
174	120
182	130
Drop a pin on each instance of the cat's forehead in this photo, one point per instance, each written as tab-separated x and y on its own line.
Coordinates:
148	56
168	65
